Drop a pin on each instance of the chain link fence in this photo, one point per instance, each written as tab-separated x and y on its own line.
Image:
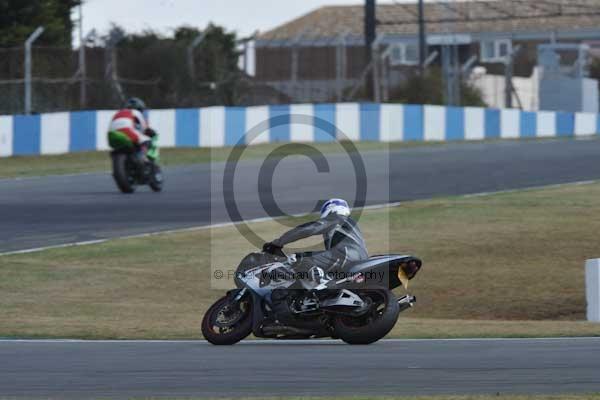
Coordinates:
336	69
305	70
59	83
327	70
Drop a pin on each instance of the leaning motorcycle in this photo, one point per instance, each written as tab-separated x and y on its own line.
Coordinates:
135	165
355	304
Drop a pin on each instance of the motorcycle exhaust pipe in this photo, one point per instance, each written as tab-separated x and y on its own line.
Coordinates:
407	302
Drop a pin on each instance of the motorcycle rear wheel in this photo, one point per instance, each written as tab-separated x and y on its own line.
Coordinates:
121	173
226	324
373	326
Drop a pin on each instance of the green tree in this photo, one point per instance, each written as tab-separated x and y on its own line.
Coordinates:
430	89
19	18
150	56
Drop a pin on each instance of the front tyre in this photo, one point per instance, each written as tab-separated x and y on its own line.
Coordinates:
156	178
122	173
225	323
375	324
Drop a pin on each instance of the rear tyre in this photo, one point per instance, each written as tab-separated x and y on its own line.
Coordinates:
374	325
225	323
122	173
156	179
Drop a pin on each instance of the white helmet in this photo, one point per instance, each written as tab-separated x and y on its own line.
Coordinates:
335	206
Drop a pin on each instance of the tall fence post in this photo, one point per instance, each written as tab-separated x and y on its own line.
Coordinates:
28	43
341	65
422	38
111	72
509	65
295	67
190	54
82	65
370	37
246	49
83	70
457	77
592	289
376	59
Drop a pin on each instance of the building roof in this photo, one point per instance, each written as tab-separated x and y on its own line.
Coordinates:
475	16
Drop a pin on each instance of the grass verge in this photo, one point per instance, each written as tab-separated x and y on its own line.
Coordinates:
98	161
505	265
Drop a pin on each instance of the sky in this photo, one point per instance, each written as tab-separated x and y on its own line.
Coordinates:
242	16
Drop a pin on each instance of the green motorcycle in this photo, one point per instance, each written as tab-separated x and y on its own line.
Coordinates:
135	165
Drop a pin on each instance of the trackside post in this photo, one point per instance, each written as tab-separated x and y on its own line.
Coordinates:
592	288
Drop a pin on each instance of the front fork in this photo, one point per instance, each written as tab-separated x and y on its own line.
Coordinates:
258	316
154	151
237	294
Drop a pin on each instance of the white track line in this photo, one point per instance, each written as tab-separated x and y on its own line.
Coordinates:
266	219
32	178
553	186
169	232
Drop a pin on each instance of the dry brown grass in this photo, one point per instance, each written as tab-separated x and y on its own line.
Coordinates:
502	265
98	161
517	256
410	326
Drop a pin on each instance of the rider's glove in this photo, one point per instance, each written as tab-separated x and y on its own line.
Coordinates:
150	132
271	248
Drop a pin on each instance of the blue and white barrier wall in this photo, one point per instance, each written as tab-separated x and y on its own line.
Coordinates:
66	132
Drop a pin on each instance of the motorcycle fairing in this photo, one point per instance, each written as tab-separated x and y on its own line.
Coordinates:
378	271
383	270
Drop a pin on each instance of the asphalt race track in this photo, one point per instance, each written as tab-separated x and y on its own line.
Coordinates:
63	209
86	370
56	210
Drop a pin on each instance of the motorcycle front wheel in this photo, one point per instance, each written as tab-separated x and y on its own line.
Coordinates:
122	173
156	179
375	324
225	323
